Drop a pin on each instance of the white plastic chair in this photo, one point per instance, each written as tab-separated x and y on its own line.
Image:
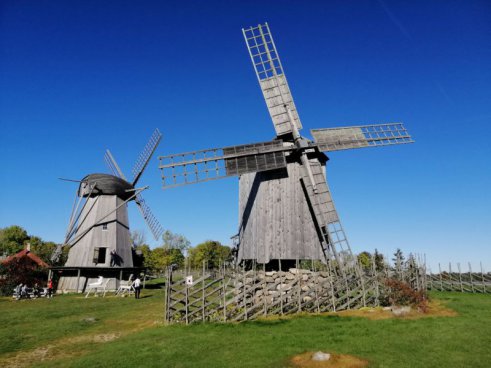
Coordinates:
126	287
97	286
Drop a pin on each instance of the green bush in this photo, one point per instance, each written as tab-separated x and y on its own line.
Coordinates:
20	271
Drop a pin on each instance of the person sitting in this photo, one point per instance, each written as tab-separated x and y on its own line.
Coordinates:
35	290
24	293
18	291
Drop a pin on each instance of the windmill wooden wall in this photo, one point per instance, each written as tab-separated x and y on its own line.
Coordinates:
116	237
274	217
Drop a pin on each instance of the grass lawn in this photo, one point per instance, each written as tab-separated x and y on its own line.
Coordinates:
70	331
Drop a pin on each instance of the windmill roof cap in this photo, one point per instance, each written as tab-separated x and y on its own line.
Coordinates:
105	184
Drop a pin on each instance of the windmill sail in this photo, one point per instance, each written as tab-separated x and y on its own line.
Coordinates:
113	166
271	77
326	217
199	166
149	218
145	156
336	139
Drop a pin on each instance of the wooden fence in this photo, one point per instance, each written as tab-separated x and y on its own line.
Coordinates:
231	294
457	279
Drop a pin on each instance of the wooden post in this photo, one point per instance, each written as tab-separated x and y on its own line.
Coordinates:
460	278
375	277
281	286
187	304
316	287
482	278
265	290
203	293
425	273
362	280
299	282
78	279
253	288
331	281
244	291
450	275
470	276
166	296
224	290
441	280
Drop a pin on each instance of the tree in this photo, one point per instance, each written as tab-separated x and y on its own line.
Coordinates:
144	253
365	260
161	258
213	253
398	262
12	239
175	241
44	250
138	238
398	256
379	261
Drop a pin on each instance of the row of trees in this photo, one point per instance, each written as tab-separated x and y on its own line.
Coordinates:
176	250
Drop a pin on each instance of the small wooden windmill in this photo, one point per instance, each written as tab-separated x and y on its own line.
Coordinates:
285	206
98	232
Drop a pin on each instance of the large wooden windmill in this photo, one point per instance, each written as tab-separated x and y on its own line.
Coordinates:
98	232
286	211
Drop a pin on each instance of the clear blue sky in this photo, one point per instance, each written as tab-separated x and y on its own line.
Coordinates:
77	77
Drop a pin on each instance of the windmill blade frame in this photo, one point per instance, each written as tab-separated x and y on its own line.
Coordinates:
362	136
152	222
271	77
217	163
145	156
326	217
113	165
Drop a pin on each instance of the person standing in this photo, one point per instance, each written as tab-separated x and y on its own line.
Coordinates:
137	286
50	288
113	258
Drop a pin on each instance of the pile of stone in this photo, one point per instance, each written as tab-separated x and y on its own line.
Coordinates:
270	286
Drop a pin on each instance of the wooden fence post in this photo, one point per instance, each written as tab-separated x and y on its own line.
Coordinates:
375	279
470	276
187	303
244	290
316	286
441	280
299	281
450	275
203	292
224	291
281	286
460	278
265	291
482	278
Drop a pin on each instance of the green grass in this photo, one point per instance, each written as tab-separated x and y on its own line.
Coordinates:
28	326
